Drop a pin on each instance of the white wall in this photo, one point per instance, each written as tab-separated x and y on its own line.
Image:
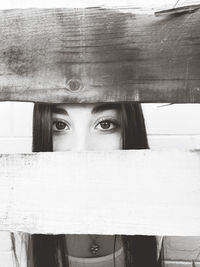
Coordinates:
173	126
16	127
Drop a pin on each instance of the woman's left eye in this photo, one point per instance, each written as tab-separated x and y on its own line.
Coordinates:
106	125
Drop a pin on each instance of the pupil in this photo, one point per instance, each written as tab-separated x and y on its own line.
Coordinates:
60	125
105	125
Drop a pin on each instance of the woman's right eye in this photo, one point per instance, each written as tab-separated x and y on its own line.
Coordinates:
60	126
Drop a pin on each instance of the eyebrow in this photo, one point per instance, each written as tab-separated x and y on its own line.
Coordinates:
60	111
96	109
103	107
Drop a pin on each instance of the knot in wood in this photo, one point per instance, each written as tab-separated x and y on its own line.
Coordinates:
74	85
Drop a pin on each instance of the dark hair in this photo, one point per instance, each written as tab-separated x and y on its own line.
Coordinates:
51	250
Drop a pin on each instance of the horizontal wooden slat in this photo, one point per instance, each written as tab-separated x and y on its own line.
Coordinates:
178	10
130	192
141	5
98	54
146	4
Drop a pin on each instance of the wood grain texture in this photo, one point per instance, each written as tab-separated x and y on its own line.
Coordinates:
150	5
129	192
178	10
99	55
139	4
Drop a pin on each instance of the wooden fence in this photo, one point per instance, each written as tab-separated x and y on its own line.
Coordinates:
64	55
95	54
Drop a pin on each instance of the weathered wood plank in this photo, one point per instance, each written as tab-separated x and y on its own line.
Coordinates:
178	10
141	5
97	54
147	192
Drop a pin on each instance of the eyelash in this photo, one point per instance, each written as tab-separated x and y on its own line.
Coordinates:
111	121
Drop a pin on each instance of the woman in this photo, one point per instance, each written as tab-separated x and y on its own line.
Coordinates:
90	127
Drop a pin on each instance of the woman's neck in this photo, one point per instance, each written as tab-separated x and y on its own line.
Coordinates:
80	245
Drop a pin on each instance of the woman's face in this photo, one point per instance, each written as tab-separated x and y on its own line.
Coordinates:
86	127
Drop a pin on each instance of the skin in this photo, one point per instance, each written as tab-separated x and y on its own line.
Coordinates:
78	127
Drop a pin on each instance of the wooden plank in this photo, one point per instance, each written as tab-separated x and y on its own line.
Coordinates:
116	192
141	5
98	54
178	10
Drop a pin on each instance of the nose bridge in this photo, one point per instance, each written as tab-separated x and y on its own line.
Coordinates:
81	139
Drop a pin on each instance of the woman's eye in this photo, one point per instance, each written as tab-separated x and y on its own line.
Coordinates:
59	126
106	125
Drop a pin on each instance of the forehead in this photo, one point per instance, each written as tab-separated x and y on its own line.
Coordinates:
89	108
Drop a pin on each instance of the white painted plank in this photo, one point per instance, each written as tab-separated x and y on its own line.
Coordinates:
130	192
159	4
152	5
